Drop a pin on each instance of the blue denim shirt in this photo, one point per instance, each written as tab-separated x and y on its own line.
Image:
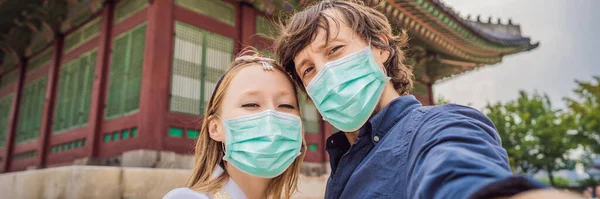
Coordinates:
412	151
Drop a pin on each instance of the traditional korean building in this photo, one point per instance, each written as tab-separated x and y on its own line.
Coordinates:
86	81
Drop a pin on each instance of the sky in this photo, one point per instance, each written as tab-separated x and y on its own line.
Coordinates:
569	36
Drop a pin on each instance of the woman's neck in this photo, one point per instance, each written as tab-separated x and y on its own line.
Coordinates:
253	187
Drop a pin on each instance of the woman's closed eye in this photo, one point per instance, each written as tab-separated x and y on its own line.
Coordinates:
287	106
250	105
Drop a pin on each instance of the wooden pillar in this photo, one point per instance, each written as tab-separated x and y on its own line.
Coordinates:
100	76
13	119
154	99
247	25
47	114
430	94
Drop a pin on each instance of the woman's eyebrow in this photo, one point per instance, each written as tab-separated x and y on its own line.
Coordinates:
250	93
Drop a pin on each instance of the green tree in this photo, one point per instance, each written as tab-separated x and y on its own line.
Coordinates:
513	139
535	136
586	112
441	100
558	181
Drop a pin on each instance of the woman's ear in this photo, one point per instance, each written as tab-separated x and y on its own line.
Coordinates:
216	130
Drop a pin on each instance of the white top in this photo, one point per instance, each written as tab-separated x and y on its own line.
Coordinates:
230	190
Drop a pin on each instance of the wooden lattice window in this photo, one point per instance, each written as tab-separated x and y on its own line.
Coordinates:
126	72
30	110
310	114
82	35
200	58
5	108
216	9
74	92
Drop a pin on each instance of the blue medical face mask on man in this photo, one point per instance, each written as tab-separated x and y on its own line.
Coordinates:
264	144
346	91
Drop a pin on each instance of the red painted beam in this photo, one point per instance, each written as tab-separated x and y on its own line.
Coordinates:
182	145
47	113
112	149
87	46
129	23
312	138
154	98
13	118
36	75
202	21
99	85
264	43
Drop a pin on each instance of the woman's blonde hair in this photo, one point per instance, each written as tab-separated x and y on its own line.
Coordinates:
209	153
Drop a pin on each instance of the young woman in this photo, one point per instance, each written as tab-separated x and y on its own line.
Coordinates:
251	143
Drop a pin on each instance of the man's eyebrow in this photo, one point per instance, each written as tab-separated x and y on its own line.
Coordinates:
302	63
318	49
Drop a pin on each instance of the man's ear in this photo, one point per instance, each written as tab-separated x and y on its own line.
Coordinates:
216	130
382	55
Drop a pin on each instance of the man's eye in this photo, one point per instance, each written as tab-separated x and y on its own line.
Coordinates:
250	105
334	49
308	70
287	106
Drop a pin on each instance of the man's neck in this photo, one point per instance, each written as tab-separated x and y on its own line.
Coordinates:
253	187
387	96
352	136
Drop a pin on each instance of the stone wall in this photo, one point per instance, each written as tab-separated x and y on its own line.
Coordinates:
106	182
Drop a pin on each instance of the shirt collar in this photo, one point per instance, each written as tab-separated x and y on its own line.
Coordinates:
230	186
386	118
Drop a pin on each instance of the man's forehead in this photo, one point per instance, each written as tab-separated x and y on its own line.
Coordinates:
337	26
323	36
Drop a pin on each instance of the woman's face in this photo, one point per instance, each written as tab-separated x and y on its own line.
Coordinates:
253	90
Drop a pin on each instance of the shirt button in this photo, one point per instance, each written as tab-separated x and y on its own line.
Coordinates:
376	138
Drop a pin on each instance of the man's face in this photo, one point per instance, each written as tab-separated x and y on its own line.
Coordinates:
343	41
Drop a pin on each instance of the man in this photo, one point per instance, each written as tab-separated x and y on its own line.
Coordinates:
344	55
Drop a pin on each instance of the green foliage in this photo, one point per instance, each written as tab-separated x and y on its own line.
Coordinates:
586	112
558	181
589	182
535	136
442	100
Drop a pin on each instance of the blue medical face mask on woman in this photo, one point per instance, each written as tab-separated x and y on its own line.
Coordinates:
264	144
346	91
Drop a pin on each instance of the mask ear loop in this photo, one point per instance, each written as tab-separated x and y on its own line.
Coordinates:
222	163
223	148
383	67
